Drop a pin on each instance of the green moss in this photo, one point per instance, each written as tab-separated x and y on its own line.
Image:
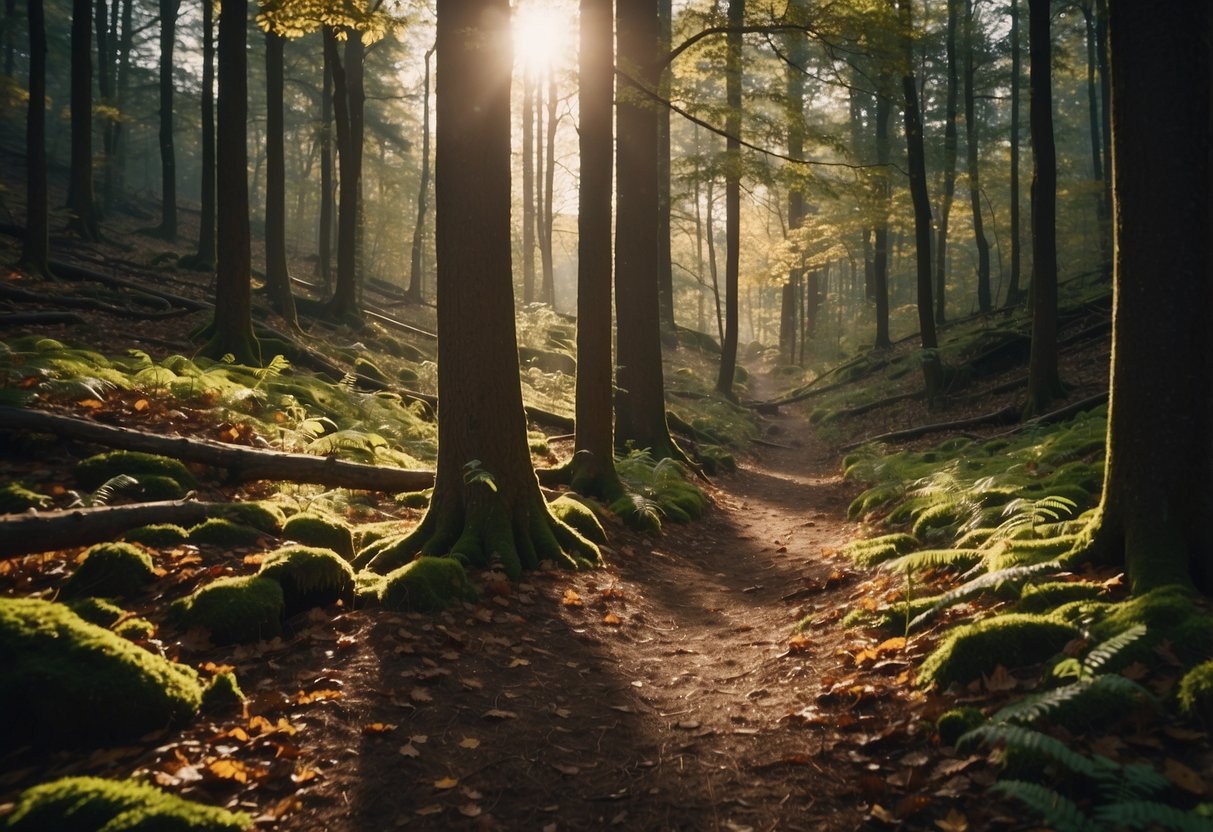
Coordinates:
573	512
367	587
233	609
367	533
93	804
415	499
15	498
870	552
318	530
96	470
957	722
1052	594
942	515
223	532
97	611
111	570
159	535
1196	691
136	629
223	694
1012	640
309	577
67	682
425	585
153	487
1169	614
716	460
261	515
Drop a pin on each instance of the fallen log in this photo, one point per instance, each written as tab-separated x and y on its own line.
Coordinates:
1005	416
45	531
243	464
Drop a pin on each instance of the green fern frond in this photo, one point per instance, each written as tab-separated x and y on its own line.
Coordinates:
931	558
1057	811
105	492
1106	651
980	584
1034	742
1144	814
1033	708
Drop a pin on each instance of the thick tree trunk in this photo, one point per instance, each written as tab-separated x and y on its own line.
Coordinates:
277	275
80	202
1044	383
233	327
539	192
949	163
984	302
325	237
205	258
732	198
547	217
528	186
423	189
593	465
486	504
1158	490
1014	292
35	251
168	156
348	101
884	196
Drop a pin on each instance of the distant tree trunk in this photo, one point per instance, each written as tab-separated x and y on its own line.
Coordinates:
414	292
797	51
277	275
1014	292
665	270
1156	500
486	501
949	161
168	157
640	390
1044	383
548	290
325	237
528	187
713	269
732	198
916	158
884	198
539	192
35	252
348	103
972	139
105	91
80	200
1105	120
1094	125
10	36
117	162
593	464
233	329
204	260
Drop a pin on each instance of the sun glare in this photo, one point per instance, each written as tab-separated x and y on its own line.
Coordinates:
541	36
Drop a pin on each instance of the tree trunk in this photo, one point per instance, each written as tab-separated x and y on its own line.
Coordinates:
168	157
528	186
665	270
1105	116
277	275
1157	501
797	50
10	36
325	239
233	327
80	202
1014	292
1094	126
949	161
105	92
539	191
348	103
414	292
884	197
732	198
713	269
548	291
984	302
916	158
205	258
593	465
35	252
640	391
1044	383
486	505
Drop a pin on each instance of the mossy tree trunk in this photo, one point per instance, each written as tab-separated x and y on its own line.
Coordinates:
232	332
640	391
277	275
35	251
732	198
592	470
80	200
486	504
1158	491
168	154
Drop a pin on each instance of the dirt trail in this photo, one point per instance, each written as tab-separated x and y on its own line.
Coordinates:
656	694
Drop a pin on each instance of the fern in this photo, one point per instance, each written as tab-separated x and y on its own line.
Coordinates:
1057	811
931	558
1032	709
1109	649
278	364
981	584
1145	814
104	493
1034	742
1023	514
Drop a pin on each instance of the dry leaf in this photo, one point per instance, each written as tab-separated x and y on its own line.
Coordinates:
891	645
302	698
226	769
470	810
432	809
1184	777
446	783
420	695
569	770
409	750
496	713
469	742
520	662
800	643
378	728
303	774
1000	680
142	405
419	739
572	599
612	620
954	822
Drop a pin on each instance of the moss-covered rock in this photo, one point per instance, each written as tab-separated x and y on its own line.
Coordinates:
309	577
953	724
97	611
415	499
67	682
15	498
261	515
573	512
96	470
157	535
94	804
153	487
135	629
1052	594
322	531
111	570
1012	640
223	532
876	550
1169	614
425	585
1196	692
223	694
233	610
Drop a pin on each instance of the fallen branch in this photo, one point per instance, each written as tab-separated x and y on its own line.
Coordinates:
1004	416
243	464
23	318
45	531
809	391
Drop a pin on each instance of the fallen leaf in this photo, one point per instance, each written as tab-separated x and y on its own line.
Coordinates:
1000	680
520	662
954	822
470	810
891	645
1184	777
470	793
612	620
142	405
469	742
496	713
420	695
419	739
446	783
688	724
409	750
800	643
303	774
226	769
565	769
432	809
378	728
302	698
572	599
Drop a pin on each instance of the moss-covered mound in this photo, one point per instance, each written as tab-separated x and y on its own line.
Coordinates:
158	535
15	498
233	610
1196	691
223	532
67	682
154	487
97	611
425	585
94	804
1012	640
261	515
309	577
223	694
1169	613
953	724
573	512
111	570
1052	594
318	530
96	470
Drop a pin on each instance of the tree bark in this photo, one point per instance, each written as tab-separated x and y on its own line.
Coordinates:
1014	292
984	302
1044	383
1094	121
797	49
732	198
204	260
486	504
665	270
80	201
105	92
1157	498
35	251
348	101
528	186
125	40
949	162
884	197
415	275
168	156
547	217
277	275
325	237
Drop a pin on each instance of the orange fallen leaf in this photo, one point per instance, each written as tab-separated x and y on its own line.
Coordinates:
226	769
303	774
1184	777
891	645
142	405
469	742
91	404
446	783
572	599
378	728
954	822
800	643
612	620
303	698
